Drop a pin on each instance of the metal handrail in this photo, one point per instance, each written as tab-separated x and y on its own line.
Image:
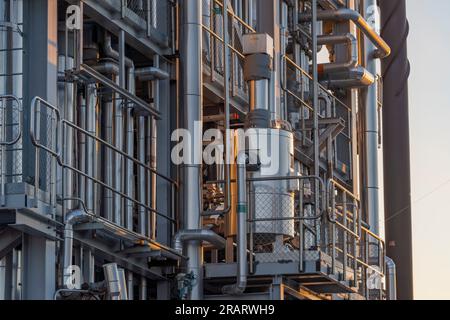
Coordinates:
3	144
360	234
56	154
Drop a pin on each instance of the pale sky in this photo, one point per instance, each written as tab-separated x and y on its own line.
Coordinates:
429	53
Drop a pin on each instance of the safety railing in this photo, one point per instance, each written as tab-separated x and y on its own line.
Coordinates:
54	148
213	42
11	129
284	219
350	241
297	85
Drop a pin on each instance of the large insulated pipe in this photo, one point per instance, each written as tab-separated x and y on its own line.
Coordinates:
371	134
241	283
73	218
396	141
191	64
344	14
391	275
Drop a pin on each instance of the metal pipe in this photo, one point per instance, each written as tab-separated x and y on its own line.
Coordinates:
191	53
72	218
141	177
197	235
91	153
353	55
151	73
107	67
153	151
130	150
344	14
111	53
391	279
239	287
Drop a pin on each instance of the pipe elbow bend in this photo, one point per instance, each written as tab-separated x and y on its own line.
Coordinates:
77	216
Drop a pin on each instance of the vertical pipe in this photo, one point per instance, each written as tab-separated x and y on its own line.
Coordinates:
108	120
371	187
242	263
130	152
81	154
118	132
191	53
91	102
141	177
153	151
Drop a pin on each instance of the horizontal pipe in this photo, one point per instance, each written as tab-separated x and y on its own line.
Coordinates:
107	67
198	235
353	78
344	14
241	282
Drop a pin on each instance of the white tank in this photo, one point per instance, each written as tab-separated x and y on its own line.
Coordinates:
272	199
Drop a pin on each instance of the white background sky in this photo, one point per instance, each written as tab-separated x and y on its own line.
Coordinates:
429	53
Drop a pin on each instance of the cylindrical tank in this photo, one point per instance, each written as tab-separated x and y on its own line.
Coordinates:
272	200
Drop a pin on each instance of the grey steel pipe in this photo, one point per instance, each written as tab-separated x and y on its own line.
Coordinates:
198	236
353	56
391	272
130	150
91	153
118	165
141	177
371	133
241	283
344	14
151	73
357	77
191	64
111	53
107	67
73	217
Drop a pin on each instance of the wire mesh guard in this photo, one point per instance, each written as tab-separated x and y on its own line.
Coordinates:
10	139
145	9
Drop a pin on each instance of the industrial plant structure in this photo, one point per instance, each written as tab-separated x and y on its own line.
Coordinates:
109	108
